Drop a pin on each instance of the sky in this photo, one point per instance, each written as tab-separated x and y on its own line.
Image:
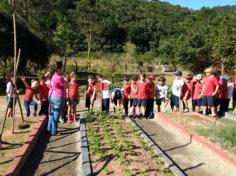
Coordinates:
198	4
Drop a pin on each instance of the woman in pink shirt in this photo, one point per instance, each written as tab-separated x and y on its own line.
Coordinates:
56	98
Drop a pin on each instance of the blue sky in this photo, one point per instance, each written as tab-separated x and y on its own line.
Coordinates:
198	4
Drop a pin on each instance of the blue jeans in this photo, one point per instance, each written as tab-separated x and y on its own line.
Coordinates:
57	105
27	105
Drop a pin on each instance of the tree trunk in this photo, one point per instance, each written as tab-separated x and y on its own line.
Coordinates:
65	61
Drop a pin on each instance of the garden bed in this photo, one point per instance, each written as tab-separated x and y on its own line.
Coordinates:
116	148
12	142
221	132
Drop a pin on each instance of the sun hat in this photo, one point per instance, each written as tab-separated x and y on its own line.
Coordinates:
209	70
225	79
199	77
178	73
151	76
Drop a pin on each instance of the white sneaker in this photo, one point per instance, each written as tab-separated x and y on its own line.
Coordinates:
186	110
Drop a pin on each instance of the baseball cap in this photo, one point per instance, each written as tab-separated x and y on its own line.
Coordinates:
178	73
199	77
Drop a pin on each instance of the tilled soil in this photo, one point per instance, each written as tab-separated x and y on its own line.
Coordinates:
192	158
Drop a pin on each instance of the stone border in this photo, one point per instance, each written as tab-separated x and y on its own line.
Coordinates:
25	150
195	138
169	163
86	169
230	116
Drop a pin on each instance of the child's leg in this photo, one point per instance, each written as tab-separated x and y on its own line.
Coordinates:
35	106
69	112
27	108
74	113
126	106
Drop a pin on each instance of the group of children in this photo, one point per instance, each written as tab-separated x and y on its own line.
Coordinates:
211	92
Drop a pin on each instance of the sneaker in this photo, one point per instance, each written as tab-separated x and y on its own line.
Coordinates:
204	113
186	110
61	120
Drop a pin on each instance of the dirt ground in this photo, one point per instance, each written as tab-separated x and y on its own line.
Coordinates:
192	158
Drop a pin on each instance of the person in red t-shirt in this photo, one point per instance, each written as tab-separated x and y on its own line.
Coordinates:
223	96
43	96
196	95
126	90
209	91
133	96
72	96
30	91
150	96
90	93
142	95
187	91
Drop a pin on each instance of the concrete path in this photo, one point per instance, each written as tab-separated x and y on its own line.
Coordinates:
192	158
57	155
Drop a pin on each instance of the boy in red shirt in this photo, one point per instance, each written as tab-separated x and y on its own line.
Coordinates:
73	97
126	90
187	91
196	96
209	91
43	96
90	93
150	96
30	91
142	95
133	95
223	96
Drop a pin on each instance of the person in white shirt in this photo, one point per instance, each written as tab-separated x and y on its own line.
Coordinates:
176	91
105	93
230	88
161	92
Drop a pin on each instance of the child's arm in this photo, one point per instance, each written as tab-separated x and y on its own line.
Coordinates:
24	81
216	90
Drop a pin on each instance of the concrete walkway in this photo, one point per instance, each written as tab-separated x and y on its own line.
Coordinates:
57	155
192	158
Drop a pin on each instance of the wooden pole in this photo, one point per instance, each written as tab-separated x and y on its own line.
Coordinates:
14	81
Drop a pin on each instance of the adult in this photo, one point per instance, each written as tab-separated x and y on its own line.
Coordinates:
56	97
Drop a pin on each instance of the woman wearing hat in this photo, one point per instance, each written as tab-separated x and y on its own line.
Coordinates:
209	91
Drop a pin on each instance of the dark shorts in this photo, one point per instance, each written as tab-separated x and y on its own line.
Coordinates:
234	95
208	101
134	102
87	103
10	105
197	102
159	101
73	102
142	102
174	100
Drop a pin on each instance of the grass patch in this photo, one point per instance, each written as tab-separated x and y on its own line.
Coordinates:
223	135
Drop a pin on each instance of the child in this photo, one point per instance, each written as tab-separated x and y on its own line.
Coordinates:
230	89
133	95
73	97
126	94
209	91
176	91
10	95
161	92
30	91
187	92
116	99
196	95
142	95
223	96
105	93
90	93
233	80
150	96
43	96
